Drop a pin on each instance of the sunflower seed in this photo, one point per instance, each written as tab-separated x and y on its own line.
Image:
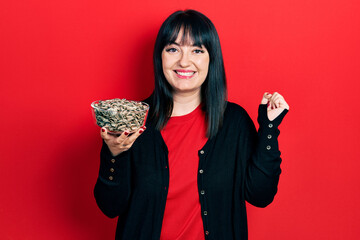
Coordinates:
119	115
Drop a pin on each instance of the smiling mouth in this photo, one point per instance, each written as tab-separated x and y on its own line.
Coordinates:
185	74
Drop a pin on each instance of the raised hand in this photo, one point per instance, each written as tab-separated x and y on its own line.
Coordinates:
276	104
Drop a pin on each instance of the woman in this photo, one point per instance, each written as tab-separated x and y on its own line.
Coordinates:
188	175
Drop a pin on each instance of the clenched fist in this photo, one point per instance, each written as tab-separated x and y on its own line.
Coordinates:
276	104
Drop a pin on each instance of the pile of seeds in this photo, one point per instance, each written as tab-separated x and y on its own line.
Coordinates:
120	114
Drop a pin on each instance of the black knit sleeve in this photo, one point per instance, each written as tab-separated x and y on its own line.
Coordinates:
112	189
263	168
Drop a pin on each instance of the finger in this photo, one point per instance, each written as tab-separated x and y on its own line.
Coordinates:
122	137
271	102
275	100
116	143
104	134
130	140
284	104
265	98
277	103
280	101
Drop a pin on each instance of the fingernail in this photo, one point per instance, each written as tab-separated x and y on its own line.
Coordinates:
143	127
103	130
141	131
126	133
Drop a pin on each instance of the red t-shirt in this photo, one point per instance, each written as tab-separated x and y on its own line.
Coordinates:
184	137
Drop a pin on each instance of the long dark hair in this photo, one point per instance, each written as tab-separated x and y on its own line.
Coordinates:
213	91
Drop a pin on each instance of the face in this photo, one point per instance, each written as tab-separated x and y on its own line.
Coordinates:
185	66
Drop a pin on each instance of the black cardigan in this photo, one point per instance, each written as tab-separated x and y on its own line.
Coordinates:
237	164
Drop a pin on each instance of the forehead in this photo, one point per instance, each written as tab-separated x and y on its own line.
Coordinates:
185	37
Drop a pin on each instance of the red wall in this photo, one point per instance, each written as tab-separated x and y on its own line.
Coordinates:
56	57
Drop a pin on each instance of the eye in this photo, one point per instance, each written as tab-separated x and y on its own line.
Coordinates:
171	49
197	51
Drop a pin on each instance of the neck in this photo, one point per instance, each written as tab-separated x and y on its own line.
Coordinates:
185	103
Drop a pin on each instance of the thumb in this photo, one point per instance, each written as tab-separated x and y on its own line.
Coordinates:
266	98
103	134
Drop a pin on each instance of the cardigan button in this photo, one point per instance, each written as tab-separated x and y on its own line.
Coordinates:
269	136
205	213
201	171
202	152
112	170
112	160
270	125
111	178
207	233
202	192
268	147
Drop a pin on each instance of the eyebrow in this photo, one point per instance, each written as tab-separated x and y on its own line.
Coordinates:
177	44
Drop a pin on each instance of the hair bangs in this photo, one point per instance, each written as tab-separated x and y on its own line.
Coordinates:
192	32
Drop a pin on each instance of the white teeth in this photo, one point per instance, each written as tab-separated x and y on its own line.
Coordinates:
187	74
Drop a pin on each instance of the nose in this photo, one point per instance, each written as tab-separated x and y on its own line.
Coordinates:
184	60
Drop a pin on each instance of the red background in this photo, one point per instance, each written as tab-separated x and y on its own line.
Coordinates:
58	56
